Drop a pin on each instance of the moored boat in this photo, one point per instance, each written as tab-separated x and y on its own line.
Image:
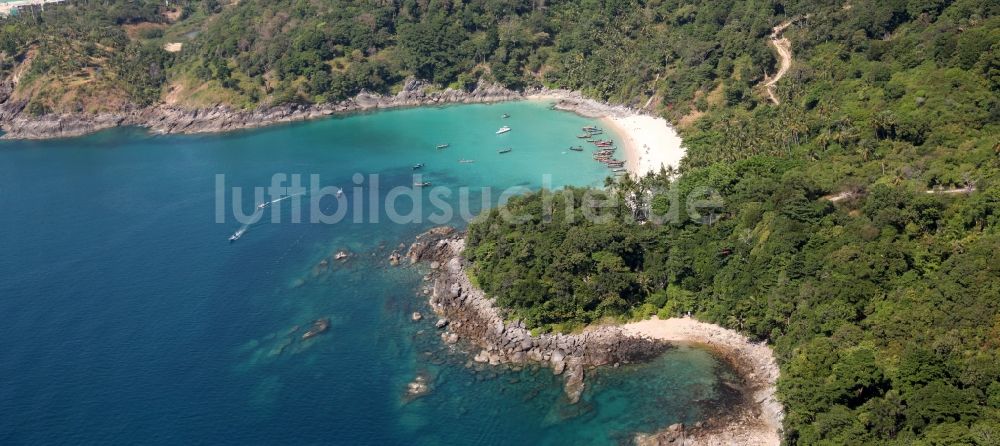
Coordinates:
505	116
576	149
418	166
463	161
442	146
505	150
503	130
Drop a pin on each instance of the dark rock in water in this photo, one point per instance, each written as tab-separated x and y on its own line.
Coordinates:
318	327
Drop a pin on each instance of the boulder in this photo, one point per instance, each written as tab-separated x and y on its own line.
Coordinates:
574	379
558	362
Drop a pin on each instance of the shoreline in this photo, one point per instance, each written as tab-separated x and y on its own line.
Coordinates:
647	141
165	119
753	362
467	313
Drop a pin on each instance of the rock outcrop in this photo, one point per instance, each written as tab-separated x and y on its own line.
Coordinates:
474	316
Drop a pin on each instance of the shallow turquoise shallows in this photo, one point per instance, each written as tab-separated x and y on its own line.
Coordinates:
129	318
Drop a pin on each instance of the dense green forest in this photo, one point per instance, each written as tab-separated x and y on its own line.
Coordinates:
856	225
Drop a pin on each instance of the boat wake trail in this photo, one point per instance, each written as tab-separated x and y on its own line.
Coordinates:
258	213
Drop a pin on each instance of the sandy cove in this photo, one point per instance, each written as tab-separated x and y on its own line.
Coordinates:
760	423
649	142
467	313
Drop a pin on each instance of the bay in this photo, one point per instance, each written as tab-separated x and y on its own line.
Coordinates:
128	317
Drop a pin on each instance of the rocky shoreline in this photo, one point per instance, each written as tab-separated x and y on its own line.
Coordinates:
166	119
468	314
17	123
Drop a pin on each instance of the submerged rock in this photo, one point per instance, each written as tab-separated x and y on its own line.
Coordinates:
482	356
318	327
417	388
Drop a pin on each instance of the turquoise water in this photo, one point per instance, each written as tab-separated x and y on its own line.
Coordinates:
129	318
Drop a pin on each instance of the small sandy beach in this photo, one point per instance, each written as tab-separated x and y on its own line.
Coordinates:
648	142
759	424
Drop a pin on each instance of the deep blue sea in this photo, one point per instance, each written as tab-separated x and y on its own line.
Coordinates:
128	317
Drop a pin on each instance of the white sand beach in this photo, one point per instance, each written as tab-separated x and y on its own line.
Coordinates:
753	361
649	142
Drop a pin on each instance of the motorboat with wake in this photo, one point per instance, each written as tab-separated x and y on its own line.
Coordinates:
236	235
423	184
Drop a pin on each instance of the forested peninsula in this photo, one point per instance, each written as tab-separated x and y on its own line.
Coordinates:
857	222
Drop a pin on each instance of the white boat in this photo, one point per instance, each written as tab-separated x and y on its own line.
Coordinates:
503	130
340	193
466	161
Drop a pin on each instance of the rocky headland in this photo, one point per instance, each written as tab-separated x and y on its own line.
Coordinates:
466	313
